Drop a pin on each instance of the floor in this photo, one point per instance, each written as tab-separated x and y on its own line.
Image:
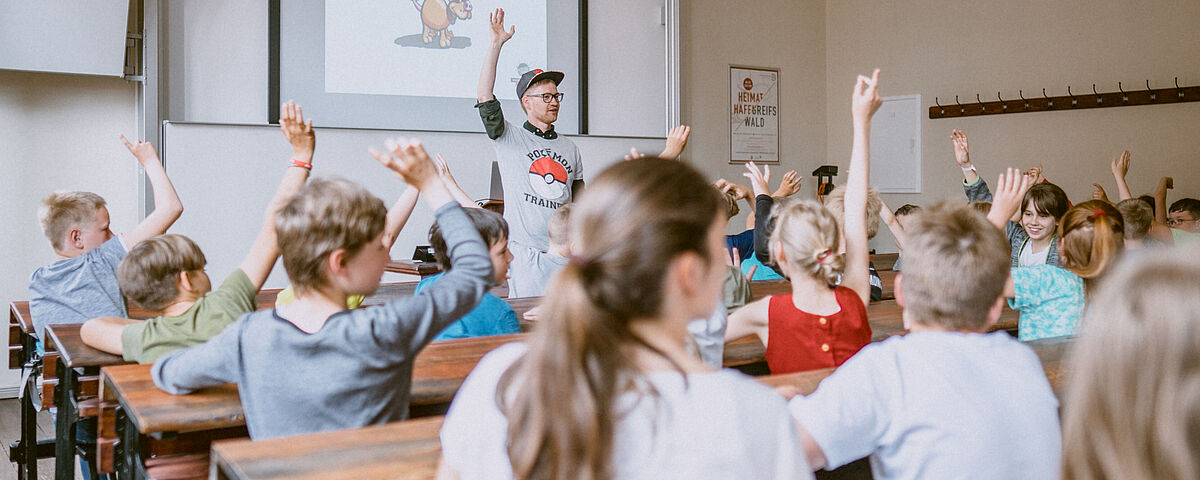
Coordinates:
10	431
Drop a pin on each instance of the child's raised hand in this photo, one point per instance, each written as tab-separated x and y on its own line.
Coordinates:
634	154
444	169
408	159
758	179
676	140
143	151
1035	175
496	23
789	186
1010	190
297	132
1164	184
962	150
1098	193
865	101
1120	164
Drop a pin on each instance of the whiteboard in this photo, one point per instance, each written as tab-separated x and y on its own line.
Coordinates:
896	145
225	175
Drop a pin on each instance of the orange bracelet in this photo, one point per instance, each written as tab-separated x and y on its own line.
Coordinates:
296	162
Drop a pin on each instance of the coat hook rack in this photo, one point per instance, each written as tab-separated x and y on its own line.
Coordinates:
1070	101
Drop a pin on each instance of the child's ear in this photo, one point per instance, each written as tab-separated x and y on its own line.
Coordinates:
336	262
75	238
185	282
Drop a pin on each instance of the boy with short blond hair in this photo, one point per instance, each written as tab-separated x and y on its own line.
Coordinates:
166	274
947	399
314	366
82	283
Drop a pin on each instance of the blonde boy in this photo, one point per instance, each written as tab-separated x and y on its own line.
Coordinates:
312	365
946	400
82	283
166	274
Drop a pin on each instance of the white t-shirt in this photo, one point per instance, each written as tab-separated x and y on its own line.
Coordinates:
1029	258
721	425
938	405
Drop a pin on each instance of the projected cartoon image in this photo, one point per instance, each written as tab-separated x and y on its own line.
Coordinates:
436	18
425	48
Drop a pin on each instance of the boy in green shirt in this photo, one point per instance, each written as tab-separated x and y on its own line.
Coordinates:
166	274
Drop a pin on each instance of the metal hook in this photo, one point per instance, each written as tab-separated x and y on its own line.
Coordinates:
1124	96
1002	103
1021	93
1074	102
1099	99
1178	91
1049	102
1153	96
982	108
939	104
961	108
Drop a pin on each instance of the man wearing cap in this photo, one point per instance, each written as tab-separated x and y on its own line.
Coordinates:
539	169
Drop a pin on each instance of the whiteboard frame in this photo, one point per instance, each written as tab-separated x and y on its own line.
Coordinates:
916	122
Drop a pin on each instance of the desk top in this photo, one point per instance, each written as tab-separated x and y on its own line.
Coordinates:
18	313
409	449
154	410
412	448
412	267
72	350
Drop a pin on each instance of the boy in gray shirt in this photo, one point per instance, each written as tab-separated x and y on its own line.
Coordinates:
314	366
82	283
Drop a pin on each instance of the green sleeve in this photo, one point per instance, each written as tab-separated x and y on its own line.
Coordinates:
235	296
492	116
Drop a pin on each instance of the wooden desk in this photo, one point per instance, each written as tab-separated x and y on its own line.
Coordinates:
401	450
411	449
412	267
1051	352
158	423
72	354
884	261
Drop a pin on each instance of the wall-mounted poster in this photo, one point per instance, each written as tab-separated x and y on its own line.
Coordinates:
753	114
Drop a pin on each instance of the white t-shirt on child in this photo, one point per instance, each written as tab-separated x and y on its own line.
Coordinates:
938	405
720	425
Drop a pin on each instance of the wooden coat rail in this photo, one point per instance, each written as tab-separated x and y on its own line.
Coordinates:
1071	101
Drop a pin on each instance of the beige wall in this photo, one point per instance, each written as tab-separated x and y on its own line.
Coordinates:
60	133
789	35
945	48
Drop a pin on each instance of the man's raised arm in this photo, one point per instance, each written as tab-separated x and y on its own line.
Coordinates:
487	75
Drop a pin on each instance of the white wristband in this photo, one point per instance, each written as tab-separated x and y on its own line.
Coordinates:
970	169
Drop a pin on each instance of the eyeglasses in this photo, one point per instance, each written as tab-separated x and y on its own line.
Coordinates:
1171	222
546	97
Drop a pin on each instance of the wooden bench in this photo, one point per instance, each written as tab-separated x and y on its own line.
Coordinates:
411	449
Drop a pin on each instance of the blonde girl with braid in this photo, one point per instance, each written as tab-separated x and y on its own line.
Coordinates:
823	322
605	387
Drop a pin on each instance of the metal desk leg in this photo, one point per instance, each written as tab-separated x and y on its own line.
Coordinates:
27	462
64	448
130	448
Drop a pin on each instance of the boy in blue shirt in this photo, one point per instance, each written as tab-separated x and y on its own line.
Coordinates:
493	316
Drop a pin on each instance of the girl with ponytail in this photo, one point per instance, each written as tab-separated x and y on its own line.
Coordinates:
824	321
1050	298
605	387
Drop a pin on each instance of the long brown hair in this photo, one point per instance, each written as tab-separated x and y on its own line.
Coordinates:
629	225
1093	237
1132	403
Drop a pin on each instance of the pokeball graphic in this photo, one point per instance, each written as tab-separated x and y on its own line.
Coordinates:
548	178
